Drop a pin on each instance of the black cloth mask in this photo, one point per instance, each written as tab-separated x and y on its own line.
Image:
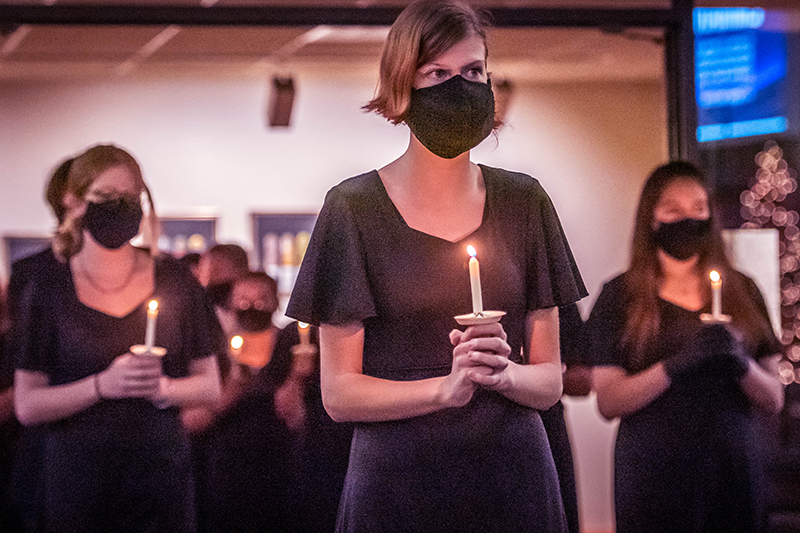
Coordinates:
684	238
114	222
452	117
219	293
252	319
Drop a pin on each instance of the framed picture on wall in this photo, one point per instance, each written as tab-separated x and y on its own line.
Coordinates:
18	247
182	235
279	242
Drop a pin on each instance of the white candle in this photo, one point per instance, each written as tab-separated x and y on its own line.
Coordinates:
475	281
716	294
150	332
304	330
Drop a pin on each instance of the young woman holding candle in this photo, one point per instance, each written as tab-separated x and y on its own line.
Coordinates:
116	458
448	436
687	453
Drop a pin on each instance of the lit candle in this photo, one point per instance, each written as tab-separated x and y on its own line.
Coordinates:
303	329
716	294
475	281
236	344
150	332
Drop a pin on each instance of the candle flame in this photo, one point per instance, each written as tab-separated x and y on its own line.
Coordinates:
714	275
471	251
236	342
153	305
302	325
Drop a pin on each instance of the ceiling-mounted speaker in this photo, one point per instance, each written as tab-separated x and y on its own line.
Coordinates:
281	100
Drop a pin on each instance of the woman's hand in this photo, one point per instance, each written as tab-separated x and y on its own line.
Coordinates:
457	388
535	384
481	355
131	376
290	404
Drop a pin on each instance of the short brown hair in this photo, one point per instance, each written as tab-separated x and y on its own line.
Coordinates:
83	171
423	31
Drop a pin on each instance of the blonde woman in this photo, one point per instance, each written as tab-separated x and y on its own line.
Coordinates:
116	458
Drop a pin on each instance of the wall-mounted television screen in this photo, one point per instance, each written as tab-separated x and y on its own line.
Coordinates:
742	77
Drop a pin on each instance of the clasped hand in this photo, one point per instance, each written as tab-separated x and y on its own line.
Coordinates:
713	343
131	376
480	359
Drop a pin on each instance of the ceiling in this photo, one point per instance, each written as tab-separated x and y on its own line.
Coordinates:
41	53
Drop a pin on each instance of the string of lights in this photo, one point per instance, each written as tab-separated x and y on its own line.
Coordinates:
761	208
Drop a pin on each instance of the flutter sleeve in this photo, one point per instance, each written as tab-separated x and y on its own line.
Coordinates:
553	275
332	286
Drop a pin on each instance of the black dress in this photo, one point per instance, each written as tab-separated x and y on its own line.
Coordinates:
26	456
692	460
10	518
570	329
322	446
119	465
484	467
245	468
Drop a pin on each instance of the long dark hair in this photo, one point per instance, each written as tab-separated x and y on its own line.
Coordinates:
642	280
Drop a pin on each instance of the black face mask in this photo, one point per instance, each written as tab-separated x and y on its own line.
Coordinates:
684	238
452	117
252	319
114	222
219	293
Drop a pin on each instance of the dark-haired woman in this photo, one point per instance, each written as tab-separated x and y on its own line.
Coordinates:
687	454
448	436
115	455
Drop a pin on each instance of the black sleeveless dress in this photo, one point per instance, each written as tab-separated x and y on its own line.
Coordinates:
487	466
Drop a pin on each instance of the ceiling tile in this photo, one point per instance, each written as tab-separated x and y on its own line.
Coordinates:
71	43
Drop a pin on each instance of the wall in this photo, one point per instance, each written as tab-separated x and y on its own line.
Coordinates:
204	149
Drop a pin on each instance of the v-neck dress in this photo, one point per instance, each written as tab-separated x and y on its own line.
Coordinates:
692	460
119	464
483	467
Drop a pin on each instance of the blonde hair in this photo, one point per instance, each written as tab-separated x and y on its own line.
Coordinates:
423	31
84	170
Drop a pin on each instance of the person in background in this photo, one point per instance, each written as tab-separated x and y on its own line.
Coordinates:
244	458
219	267
116	457
688	455
448	435
321	446
253	301
192	262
